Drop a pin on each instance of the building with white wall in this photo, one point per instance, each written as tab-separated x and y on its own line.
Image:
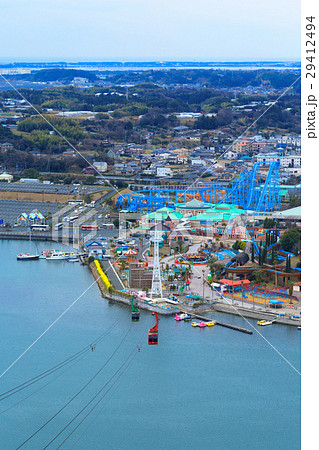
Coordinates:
164	172
285	161
101	166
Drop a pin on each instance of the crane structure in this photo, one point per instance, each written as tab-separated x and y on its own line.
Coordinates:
248	190
156	290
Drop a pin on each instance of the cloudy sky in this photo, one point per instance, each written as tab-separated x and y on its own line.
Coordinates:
215	30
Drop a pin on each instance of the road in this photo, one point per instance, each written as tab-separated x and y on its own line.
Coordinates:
114	280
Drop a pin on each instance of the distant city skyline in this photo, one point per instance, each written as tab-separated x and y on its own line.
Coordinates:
140	30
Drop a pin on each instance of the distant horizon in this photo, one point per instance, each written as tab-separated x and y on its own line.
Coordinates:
38	60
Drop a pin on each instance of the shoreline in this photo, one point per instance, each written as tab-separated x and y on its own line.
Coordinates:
217	306
258	315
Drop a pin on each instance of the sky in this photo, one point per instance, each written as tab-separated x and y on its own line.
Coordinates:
150	30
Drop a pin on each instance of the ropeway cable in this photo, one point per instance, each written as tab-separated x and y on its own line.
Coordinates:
98	413
49	327
127	362
107	391
42	387
252	326
79	392
53	369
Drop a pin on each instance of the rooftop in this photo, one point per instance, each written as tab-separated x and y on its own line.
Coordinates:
194	204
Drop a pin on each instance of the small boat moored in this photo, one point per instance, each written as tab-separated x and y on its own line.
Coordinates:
178	318
188	318
183	315
56	256
44	254
195	324
210	324
27	257
202	324
263	323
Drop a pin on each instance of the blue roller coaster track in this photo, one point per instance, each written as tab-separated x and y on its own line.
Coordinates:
246	190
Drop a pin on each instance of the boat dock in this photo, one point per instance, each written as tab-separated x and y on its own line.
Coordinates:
233	327
217	322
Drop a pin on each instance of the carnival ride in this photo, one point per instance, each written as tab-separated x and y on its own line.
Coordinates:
274	270
261	295
247	190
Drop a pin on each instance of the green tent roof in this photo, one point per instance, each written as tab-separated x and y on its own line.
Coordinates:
175	215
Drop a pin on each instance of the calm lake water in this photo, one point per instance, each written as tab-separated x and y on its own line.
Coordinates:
210	388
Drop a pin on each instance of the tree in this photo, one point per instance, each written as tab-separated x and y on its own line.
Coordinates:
269	223
264	255
252	253
180	245
206	123
239	245
90	179
260	254
294	201
259	276
224	117
291	239
267	239
272	256
31	173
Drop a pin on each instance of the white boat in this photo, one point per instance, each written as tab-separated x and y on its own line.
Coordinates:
45	253
183	316
27	257
263	323
56	256
74	260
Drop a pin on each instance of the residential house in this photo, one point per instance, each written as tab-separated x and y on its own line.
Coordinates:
69	153
164	172
230	155
198	162
89	171
101	166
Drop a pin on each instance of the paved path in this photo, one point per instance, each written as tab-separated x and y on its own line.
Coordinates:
115	281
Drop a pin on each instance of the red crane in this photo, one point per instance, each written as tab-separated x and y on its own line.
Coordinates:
153	333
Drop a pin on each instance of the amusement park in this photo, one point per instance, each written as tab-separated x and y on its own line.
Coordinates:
204	247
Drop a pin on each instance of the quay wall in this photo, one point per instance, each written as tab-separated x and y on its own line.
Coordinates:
125	298
258	315
45	236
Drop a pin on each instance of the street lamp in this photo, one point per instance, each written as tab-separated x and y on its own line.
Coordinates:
203	271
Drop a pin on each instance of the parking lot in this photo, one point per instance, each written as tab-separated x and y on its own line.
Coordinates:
50	188
10	210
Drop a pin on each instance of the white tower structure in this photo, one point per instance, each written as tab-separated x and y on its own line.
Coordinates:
156	238
122	226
